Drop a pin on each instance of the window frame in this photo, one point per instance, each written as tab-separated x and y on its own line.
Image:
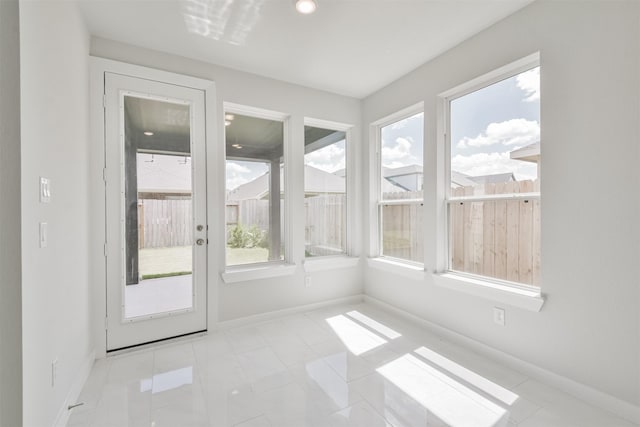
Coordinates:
443	262
350	191
376	245
236	273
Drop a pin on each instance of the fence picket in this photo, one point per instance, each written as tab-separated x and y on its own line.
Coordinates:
499	239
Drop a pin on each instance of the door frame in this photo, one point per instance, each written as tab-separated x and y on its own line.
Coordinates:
96	165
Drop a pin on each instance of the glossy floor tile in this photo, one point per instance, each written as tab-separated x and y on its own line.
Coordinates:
350	365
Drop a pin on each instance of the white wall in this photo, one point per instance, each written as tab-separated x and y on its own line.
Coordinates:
10	262
588	330
55	290
254	297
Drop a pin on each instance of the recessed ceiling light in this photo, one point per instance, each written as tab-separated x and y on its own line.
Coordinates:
148	133
229	117
306	6
238	146
227	122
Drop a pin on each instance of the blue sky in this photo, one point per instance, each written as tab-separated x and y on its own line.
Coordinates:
402	142
329	159
486	126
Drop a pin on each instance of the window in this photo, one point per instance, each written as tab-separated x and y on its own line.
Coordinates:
400	217
325	191
494	178
254	189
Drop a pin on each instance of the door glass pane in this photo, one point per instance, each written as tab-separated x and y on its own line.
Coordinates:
255	189
158	225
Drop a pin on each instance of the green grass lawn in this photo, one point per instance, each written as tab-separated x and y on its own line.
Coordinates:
237	256
164	262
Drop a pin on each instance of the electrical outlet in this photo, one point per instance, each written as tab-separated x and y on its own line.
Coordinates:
307	281
498	316
54	372
44	235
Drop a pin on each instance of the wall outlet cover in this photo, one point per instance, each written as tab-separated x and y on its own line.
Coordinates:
499	316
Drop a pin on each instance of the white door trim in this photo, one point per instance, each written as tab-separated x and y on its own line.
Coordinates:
98	68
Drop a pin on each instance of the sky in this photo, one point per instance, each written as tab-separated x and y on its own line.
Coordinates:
329	159
488	124
241	172
402	142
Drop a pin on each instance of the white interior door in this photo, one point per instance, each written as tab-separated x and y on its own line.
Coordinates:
155	209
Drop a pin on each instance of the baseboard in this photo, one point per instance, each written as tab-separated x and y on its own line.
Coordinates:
75	390
262	317
588	394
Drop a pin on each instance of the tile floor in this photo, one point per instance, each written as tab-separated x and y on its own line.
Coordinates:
338	366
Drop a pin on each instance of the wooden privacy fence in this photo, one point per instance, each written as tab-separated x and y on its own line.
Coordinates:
497	238
402	227
325	231
164	223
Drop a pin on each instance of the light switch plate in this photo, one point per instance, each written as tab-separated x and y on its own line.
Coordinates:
45	190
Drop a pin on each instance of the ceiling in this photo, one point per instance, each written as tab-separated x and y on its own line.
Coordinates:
349	47
155	126
168	122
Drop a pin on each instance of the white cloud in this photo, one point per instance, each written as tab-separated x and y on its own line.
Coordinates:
233	167
398	154
329	159
238	174
519	132
529	82
493	163
236	181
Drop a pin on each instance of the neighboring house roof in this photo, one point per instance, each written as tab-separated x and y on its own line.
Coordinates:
528	153
493	179
399	179
390	187
315	181
402	170
459	179
160	173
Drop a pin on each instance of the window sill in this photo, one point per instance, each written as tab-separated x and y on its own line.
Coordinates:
521	298
312	265
244	274
410	271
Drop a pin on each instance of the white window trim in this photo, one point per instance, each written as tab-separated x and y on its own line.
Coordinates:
493	290
398	266
351	187
515	294
375	244
244	272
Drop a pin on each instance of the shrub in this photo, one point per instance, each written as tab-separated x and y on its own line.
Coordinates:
247	238
238	237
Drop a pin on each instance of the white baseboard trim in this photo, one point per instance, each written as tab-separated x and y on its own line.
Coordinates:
588	394
75	390
262	317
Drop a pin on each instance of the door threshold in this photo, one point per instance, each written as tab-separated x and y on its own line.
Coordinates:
156	343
